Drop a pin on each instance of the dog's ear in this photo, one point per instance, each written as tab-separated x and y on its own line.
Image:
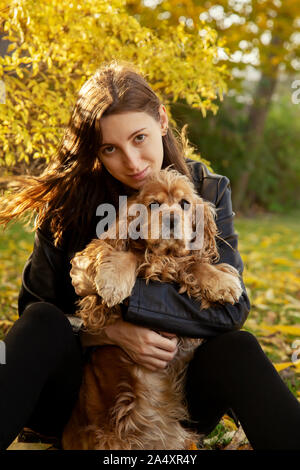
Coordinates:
210	231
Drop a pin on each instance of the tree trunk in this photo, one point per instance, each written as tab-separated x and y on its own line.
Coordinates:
254	131
257	119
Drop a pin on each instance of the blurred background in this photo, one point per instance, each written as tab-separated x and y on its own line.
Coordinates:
228	72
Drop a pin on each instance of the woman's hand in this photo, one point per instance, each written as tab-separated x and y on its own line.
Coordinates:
145	347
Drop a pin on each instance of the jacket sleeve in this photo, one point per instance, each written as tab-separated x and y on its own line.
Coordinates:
46	276
160	306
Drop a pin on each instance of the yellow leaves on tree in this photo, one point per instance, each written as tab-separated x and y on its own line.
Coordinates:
56	46
263	33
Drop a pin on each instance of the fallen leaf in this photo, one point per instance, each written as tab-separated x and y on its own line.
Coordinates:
238	440
285	365
286	329
29	446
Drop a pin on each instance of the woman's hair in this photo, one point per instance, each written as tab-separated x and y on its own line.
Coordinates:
66	194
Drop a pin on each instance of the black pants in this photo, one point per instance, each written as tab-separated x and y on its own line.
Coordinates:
40	381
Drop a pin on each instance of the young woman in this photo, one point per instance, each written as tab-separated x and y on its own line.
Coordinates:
117	135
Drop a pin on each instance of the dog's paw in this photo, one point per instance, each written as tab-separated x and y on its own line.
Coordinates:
115	281
111	293
233	290
80	280
223	288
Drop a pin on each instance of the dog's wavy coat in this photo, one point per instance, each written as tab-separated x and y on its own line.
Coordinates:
121	404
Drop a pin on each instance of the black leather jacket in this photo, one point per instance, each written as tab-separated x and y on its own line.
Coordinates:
46	277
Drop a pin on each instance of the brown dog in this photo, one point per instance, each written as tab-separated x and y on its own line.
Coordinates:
121	404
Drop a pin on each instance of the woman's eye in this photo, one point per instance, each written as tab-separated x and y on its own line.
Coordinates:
141	135
184	204
105	150
109	152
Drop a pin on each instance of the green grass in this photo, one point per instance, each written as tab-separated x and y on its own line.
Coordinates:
16	244
270	249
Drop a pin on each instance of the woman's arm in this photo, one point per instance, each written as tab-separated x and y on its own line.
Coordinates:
144	346
46	277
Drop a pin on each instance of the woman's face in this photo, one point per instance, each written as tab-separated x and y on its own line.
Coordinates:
132	144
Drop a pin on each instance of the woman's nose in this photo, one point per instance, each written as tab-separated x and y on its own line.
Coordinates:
132	160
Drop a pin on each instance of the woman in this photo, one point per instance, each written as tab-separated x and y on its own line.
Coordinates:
118	134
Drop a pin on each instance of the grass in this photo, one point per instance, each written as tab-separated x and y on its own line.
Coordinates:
270	248
16	244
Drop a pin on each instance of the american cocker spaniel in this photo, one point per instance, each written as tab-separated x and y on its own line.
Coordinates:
122	405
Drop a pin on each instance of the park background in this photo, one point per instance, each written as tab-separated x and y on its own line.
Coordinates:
228	72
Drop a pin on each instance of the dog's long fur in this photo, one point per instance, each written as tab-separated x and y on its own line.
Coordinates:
121	404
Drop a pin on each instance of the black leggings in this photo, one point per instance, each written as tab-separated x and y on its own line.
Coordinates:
40	381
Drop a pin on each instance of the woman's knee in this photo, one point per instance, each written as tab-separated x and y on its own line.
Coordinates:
44	330
240	338
227	348
42	323
44	316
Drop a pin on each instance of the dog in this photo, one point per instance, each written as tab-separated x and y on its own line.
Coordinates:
123	405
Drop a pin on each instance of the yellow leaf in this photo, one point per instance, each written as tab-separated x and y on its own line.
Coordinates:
29	446
282	262
283	365
296	254
193	447
293	330
229	423
19	73
11	47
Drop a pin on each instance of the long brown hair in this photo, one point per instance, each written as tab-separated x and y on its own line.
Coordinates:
75	182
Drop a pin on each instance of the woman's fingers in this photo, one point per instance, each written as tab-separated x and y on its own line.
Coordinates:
162	350
144	346
168	344
161	354
153	362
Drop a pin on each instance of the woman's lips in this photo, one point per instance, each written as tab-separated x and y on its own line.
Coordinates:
141	175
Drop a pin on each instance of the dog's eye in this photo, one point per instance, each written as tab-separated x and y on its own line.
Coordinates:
154	204
184	204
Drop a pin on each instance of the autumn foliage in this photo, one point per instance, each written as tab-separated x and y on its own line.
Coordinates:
55	46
